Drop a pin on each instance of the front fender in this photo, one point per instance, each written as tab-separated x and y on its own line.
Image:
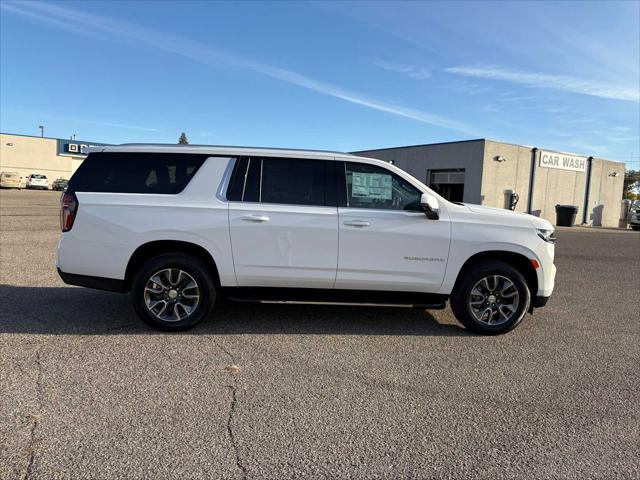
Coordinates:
461	254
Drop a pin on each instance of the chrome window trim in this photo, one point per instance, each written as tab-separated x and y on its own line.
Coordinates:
244	181
221	194
260	185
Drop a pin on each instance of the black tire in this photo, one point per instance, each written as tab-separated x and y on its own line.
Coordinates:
475	273
635	227
179	261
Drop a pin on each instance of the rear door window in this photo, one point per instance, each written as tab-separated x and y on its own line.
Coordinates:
293	181
127	172
285	181
236	183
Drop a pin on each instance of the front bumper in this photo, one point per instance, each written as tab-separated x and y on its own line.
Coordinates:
546	272
540	301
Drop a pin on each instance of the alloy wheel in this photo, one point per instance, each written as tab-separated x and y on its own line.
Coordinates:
494	300
171	295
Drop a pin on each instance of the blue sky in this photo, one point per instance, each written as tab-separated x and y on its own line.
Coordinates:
331	75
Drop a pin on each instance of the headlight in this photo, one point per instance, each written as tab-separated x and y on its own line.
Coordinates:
547	235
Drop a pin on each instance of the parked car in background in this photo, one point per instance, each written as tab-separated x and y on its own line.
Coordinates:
10	180
37	181
633	218
181	226
59	184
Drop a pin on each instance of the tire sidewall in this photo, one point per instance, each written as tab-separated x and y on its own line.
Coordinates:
460	304
190	265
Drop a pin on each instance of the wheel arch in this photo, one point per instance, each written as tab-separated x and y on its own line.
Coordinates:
158	247
517	260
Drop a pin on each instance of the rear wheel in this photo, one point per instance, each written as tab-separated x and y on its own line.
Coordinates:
173	291
492	298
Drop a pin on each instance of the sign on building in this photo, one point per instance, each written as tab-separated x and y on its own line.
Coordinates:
75	148
562	161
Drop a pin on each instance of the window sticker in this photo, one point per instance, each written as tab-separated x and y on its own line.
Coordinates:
371	185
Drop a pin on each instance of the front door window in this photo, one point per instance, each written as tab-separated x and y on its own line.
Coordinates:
374	187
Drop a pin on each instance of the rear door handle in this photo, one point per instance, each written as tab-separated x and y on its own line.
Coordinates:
255	218
357	223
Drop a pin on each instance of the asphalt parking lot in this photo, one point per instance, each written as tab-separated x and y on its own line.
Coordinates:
88	391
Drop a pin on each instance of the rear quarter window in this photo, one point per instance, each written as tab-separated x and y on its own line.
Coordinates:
124	172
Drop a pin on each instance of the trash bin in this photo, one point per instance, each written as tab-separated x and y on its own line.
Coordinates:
566	215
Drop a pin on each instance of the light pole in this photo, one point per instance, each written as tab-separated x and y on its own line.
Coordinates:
41	127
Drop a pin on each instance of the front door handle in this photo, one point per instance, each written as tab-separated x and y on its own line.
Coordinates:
255	218
357	223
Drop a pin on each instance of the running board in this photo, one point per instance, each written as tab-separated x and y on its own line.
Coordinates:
433	306
336	297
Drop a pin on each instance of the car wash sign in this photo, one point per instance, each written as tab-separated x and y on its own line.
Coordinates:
562	161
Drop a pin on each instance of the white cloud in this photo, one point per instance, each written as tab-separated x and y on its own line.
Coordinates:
334	91
413	71
16	8
203	53
556	82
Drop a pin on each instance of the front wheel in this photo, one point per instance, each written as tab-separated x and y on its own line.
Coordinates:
492	298
173	291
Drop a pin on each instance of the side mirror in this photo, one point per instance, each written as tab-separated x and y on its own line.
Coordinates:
430	206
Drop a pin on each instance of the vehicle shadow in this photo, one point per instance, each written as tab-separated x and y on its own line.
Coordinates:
79	311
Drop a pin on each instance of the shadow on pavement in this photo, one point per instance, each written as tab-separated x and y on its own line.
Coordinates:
79	311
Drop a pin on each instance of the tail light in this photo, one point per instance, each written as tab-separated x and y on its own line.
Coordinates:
68	210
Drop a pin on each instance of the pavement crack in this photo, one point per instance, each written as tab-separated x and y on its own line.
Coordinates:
34	418
227	352
230	431
232	411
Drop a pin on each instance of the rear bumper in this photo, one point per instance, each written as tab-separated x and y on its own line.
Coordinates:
99	283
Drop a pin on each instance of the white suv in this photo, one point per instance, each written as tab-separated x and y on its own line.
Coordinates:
181	226
37	181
